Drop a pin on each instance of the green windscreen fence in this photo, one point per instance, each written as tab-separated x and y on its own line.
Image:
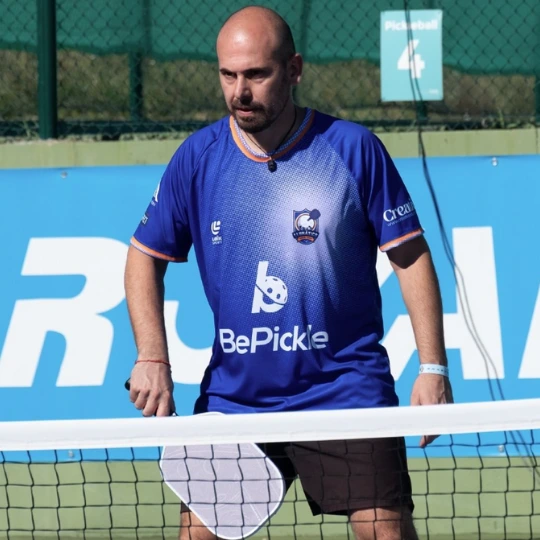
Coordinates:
132	65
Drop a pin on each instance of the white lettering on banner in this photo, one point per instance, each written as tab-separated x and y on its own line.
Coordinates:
88	334
187	364
383	267
473	251
530	366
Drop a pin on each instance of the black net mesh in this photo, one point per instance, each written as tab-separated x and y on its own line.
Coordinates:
464	486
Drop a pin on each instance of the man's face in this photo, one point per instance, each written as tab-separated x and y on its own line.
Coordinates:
255	83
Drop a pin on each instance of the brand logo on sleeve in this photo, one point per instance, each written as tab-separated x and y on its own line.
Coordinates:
306	225
399	213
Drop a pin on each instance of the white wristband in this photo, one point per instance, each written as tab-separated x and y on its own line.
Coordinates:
434	369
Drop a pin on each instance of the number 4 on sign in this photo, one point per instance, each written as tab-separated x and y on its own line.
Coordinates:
409	60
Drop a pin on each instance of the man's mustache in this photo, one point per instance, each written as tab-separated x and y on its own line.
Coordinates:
247	107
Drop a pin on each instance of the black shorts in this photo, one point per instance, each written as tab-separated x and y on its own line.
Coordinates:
342	476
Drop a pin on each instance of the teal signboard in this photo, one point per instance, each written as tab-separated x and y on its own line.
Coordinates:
411	52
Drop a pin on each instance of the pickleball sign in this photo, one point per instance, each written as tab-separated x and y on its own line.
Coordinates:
411	55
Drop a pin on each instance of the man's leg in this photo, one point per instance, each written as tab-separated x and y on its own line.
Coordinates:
367	480
393	523
191	527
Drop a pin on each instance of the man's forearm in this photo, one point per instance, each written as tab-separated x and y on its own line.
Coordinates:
421	293
144	287
420	290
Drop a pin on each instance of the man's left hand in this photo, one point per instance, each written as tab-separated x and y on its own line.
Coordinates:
430	389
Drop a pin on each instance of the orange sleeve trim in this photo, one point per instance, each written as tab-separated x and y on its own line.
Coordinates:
145	249
253	157
401	240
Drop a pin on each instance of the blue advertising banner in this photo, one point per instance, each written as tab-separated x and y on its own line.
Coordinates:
66	346
411	53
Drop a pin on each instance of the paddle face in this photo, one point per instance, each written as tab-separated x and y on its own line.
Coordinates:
232	488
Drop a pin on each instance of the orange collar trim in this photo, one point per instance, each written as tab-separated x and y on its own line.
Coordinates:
287	148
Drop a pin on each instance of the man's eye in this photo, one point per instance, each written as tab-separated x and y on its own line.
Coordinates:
256	75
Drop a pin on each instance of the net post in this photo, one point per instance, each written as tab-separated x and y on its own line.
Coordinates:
47	69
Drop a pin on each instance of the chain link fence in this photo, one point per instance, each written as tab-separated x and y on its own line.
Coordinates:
117	68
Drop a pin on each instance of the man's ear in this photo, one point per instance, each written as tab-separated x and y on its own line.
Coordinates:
296	66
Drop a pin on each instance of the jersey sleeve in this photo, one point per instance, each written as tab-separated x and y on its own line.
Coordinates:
164	230
388	204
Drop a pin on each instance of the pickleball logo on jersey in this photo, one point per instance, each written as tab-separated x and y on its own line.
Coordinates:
270	293
306	225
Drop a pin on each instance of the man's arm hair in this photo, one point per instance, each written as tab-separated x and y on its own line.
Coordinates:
145	290
419	285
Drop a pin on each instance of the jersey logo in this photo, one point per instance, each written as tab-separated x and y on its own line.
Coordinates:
270	293
156	194
306	225
399	213
215	229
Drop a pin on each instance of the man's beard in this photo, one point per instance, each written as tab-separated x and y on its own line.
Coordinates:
262	117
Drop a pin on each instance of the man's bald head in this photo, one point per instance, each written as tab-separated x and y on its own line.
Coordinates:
264	25
258	67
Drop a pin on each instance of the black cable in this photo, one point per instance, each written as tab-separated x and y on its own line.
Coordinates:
458	275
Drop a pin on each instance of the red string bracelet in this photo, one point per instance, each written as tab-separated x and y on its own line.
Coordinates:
154	362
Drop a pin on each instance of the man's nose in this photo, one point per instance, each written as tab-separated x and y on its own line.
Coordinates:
241	89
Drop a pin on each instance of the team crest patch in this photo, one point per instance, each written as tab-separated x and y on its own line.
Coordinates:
306	225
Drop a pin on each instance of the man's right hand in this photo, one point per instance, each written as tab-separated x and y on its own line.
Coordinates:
151	389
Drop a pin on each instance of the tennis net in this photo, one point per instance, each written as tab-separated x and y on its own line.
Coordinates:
105	478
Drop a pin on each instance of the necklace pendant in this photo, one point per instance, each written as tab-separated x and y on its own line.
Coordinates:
272	165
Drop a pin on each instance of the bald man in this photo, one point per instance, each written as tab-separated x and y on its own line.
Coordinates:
285	208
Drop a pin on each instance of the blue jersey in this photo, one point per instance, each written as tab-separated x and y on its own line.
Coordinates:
287	260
